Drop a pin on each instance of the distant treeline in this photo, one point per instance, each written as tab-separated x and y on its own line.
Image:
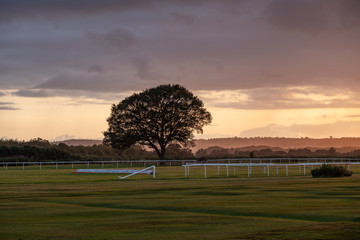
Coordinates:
216	152
42	150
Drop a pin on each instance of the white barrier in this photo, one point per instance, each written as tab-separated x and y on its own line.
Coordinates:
141	171
112	171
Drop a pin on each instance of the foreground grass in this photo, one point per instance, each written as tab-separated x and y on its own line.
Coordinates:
58	204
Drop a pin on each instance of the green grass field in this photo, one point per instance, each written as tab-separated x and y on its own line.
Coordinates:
58	204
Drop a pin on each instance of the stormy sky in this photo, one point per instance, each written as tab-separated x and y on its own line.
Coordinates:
256	64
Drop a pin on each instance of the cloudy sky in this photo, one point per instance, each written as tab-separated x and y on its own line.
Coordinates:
262	67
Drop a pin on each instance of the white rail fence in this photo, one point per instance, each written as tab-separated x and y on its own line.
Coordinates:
267	163
282	160
267	166
90	164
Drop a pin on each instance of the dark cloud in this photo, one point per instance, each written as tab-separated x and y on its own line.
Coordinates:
274	75
143	70
96	69
72	82
32	93
302	15
314	16
229	46
2	94
11	9
338	129
349	14
89	82
4	70
21	9
118	38
5	103
182	18
216	64
7	106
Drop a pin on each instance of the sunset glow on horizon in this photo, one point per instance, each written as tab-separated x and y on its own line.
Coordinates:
262	68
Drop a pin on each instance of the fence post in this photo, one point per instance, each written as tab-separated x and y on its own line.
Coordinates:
40	165
205	170
23	166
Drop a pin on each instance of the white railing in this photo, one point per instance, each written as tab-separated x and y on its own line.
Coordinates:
145	163
265	165
282	160
89	164
141	171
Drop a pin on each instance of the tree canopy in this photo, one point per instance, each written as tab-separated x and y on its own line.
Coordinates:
156	117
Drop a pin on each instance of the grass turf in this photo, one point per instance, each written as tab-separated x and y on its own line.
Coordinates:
58	204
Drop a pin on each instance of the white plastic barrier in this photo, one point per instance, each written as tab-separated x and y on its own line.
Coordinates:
113	171
141	171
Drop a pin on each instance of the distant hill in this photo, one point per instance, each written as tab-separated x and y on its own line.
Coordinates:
285	143
80	142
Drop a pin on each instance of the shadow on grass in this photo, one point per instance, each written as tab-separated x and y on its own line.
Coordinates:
339	231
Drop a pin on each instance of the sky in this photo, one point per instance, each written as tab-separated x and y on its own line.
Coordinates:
261	67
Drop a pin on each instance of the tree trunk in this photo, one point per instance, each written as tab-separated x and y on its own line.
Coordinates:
162	155
160	152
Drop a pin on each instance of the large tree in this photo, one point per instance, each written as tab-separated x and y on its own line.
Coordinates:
156	117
